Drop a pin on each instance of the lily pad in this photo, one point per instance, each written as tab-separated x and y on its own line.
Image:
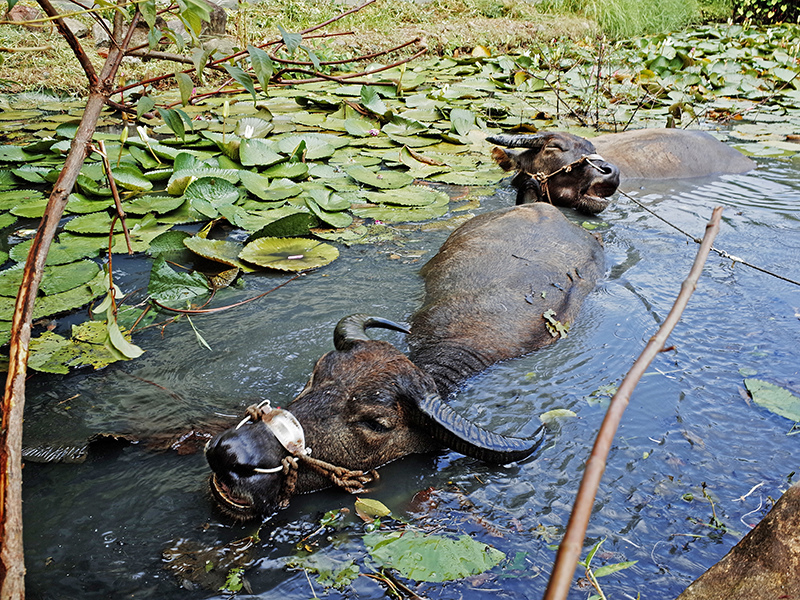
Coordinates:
774	398
207	194
259	153
221	251
68	249
414	195
153	204
249	128
336	219
387	180
287	170
171	287
429	557
46	306
289	254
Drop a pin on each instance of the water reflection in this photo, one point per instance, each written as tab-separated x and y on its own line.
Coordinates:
98	529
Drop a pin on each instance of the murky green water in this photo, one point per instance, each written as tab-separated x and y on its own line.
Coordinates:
98	529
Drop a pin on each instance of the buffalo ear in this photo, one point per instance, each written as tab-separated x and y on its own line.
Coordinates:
462	435
505	159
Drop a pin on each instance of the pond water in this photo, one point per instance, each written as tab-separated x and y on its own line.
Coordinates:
98	529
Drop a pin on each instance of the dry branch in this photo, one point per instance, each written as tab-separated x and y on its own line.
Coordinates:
12	565
572	544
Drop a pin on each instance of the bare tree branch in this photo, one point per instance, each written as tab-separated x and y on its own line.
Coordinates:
572	543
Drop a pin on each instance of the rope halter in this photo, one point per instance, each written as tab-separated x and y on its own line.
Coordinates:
543	178
288	431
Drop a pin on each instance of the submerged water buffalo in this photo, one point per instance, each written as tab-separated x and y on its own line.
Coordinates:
559	168
503	285
636	154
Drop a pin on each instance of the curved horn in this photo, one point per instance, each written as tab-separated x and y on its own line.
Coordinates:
353	328
518	140
462	435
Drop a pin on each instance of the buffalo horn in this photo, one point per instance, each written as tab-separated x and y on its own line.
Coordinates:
353	328
462	435
518	140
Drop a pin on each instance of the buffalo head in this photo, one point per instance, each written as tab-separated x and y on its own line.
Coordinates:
557	167
365	404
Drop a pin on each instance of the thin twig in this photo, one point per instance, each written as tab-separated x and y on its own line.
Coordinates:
114	194
570	548
206	311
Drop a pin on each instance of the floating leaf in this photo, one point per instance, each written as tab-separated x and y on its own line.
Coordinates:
168	286
328	200
289	254
369	509
774	398
404	127
414	195
372	101
292	225
168	244
287	170
249	128
336	219
430	557
556	413
382	179
258	153
68	249
554	326
221	251
207	194
153	204
399	214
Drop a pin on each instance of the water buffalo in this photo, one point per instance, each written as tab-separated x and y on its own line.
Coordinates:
638	154
504	284
559	168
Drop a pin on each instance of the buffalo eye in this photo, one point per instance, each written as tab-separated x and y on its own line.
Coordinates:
377	425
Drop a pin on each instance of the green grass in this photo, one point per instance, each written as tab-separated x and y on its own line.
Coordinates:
621	19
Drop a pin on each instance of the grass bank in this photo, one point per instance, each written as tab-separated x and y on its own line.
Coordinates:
38	59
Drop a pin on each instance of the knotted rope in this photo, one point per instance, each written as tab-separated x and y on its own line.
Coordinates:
352	481
543	179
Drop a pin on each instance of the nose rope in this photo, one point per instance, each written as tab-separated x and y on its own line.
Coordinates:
543	178
351	481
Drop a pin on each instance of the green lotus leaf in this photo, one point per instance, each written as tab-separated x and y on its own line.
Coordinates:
774	398
259	153
481	177
6	220
361	127
221	251
287	222
68	249
321	101
11	198
79	204
462	121
32	173
180	180
93	223
249	128
398	214
404	126
153	204
46	306
144	158
289	254
169	244
168	286
56	278
160	174
213	191
327	200
88	347
270	191
93	186
337	220
374	233
287	170
414	195
30	210
423	556
131	179
318	145
383	179
15	154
